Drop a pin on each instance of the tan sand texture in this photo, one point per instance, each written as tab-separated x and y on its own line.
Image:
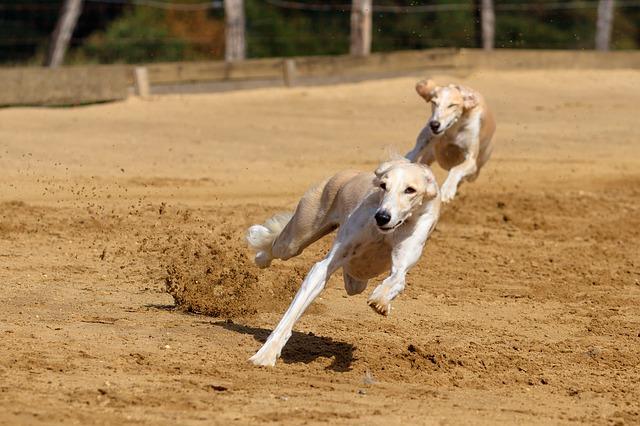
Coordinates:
524	308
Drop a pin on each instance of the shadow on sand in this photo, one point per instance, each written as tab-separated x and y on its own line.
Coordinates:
302	347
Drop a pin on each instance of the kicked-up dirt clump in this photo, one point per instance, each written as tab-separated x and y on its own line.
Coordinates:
215	276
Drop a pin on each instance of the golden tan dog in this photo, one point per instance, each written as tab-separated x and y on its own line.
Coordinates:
457	135
384	220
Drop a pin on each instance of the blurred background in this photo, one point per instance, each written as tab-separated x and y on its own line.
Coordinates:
142	31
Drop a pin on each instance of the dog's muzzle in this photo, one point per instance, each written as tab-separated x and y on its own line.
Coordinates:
382	218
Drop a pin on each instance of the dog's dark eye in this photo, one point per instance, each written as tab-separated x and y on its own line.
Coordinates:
452	106
409	190
383	186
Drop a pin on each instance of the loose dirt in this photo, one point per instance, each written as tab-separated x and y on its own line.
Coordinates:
524	308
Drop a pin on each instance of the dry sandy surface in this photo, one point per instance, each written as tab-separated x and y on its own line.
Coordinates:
524	308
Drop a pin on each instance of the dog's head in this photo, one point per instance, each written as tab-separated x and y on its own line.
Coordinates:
405	187
449	103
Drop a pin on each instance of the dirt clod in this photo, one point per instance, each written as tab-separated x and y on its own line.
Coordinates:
213	275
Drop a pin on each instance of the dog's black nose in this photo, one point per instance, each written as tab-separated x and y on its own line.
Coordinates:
382	217
434	125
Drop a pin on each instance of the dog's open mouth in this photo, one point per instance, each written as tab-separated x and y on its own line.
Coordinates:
390	228
443	129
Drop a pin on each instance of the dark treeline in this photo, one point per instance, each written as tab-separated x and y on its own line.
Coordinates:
109	33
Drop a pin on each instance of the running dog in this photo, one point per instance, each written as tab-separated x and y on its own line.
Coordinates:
457	136
384	220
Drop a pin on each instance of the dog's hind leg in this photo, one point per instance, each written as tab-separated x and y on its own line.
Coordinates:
483	157
314	218
285	236
261	237
300	234
352	285
470	178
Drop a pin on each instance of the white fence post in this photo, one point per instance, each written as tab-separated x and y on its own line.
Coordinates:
62	34
488	18
289	72
360	27
235	44
604	24
141	82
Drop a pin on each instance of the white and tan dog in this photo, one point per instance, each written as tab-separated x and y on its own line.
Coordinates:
457	136
384	221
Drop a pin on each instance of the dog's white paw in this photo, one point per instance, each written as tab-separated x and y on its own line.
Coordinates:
381	308
266	356
448	192
263	359
379	300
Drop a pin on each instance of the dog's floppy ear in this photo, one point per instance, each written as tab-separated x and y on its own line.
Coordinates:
426	89
469	97
384	167
432	184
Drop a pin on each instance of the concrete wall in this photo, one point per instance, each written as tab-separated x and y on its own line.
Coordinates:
63	86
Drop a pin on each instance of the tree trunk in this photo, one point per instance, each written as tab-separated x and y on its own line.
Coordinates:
488	18
360	27
235	45
62	34
604	24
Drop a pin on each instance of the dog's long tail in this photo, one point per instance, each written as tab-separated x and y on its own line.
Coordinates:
261	237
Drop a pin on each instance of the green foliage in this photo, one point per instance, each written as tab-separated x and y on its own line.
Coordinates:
108	33
139	35
23	34
423	30
626	29
26	26
543	28
272	31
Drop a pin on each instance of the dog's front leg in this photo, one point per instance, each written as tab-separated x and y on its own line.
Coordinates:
469	139
403	256
380	299
421	151
311	287
450	186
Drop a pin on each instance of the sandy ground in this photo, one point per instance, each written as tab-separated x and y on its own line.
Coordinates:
525	307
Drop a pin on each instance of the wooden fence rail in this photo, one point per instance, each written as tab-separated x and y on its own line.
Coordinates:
87	84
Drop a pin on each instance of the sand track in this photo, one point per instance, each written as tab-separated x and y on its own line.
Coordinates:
524	308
